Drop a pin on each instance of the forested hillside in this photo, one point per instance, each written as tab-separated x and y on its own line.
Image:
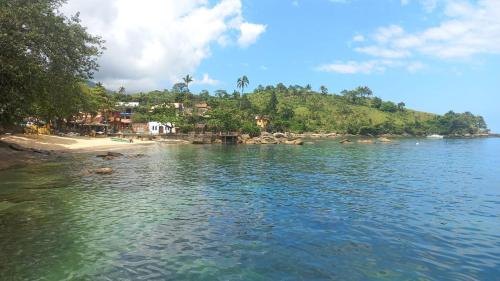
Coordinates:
300	109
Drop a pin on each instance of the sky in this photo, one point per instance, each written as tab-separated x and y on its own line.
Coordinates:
434	55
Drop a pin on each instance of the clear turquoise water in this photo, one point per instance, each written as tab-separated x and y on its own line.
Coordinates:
326	211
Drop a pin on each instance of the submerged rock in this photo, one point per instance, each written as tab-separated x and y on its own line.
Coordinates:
382	139
366	141
103	171
345	141
109	154
16	147
139	155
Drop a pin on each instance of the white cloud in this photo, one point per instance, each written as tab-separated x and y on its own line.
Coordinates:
249	33
466	30
428	5
383	52
370	66
150	44
353	67
384	34
358	38
206	80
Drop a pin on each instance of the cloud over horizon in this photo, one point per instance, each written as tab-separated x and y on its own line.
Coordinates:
467	29
148	45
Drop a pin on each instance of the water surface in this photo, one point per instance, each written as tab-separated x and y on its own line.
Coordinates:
398	211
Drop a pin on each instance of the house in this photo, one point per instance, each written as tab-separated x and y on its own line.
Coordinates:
86	123
121	119
154	128
262	121
201	108
127	104
179	107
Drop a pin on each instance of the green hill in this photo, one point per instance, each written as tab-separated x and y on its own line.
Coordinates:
299	109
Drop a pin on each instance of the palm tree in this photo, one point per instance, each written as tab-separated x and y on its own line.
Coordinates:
242	83
188	79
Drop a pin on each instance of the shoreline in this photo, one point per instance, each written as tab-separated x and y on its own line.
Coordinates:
18	149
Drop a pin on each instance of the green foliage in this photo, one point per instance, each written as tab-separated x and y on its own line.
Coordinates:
44	55
250	128
298	109
376	103
389	106
272	105
224	120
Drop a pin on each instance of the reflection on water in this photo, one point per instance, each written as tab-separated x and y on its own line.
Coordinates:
317	212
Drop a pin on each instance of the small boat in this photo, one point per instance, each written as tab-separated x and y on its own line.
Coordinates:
435	136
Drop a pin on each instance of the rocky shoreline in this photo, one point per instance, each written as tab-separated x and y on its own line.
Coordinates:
13	155
268	138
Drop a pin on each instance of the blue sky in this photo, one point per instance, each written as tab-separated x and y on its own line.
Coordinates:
435	55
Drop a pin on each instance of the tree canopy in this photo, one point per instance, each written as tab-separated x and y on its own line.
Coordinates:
44	55
297	109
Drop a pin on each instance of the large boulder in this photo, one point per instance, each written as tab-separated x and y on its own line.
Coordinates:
253	141
245	137
266	134
295	142
279	135
103	171
268	140
16	147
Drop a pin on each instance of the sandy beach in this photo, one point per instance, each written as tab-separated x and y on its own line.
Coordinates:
70	144
34	148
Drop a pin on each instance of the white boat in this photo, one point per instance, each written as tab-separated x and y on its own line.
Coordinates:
435	136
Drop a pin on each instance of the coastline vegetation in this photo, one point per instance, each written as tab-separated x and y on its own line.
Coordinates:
300	109
47	60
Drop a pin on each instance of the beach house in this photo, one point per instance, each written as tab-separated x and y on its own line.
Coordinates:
154	128
121	119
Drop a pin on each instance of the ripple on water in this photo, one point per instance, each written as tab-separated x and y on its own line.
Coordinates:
318	212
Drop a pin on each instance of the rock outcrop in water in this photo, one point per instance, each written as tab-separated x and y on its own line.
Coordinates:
109	155
267	138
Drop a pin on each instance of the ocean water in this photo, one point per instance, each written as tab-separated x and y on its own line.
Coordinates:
323	211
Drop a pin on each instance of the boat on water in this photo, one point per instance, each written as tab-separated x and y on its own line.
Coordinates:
435	136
